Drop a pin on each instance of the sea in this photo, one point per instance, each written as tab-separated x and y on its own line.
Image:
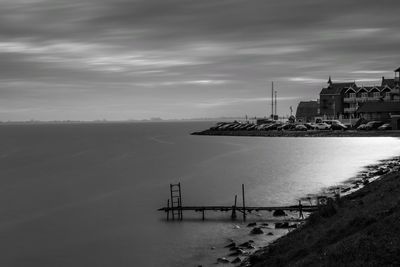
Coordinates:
88	194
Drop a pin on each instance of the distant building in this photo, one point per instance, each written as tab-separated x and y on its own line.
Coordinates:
345	99
307	110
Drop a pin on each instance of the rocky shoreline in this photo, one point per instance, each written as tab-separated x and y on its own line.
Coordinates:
310	133
358	229
248	253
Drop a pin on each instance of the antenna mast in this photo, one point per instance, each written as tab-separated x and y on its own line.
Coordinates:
276	105
272	101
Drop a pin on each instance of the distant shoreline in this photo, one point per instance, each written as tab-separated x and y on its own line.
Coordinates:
312	133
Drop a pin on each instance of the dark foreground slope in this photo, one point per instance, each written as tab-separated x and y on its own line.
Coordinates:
362	229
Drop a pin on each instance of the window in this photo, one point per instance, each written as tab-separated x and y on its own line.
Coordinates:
377	95
364	95
352	95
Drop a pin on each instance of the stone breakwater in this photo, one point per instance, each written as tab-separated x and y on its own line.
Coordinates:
310	133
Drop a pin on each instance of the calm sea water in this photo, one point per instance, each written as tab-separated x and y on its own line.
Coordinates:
87	195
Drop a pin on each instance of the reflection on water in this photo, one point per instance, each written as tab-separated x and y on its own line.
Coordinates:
86	195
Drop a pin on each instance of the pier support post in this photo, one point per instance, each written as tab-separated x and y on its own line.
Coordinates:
180	209
172	202
301	210
180	202
203	215
233	216
244	204
168	210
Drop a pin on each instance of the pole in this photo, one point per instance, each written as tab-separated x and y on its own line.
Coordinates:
272	100
301	210
244	205
179	209
172	203
276	113
168	210
233	216
180	201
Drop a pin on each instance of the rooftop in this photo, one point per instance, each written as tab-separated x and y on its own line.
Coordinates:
336	88
388	82
308	104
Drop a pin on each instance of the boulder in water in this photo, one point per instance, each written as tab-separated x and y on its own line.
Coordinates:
245	244
278	213
256	231
236	260
282	225
252	224
232	244
238	252
222	260
285	225
233	248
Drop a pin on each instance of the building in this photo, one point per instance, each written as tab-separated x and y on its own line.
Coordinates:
344	99
307	110
331	98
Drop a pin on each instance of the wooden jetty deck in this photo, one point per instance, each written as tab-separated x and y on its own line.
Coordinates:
305	208
175	208
300	208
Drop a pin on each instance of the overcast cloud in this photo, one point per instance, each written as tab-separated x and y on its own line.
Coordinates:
114	59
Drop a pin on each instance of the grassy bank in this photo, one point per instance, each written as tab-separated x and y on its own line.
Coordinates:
361	229
312	133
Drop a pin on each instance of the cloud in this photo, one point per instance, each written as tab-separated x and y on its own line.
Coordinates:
368	80
348	34
272	50
306	80
194	82
149	52
93	56
369	71
235	101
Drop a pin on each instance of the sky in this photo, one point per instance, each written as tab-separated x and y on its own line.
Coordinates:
140	59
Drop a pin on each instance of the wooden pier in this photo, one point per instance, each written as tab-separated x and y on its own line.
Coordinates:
175	208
